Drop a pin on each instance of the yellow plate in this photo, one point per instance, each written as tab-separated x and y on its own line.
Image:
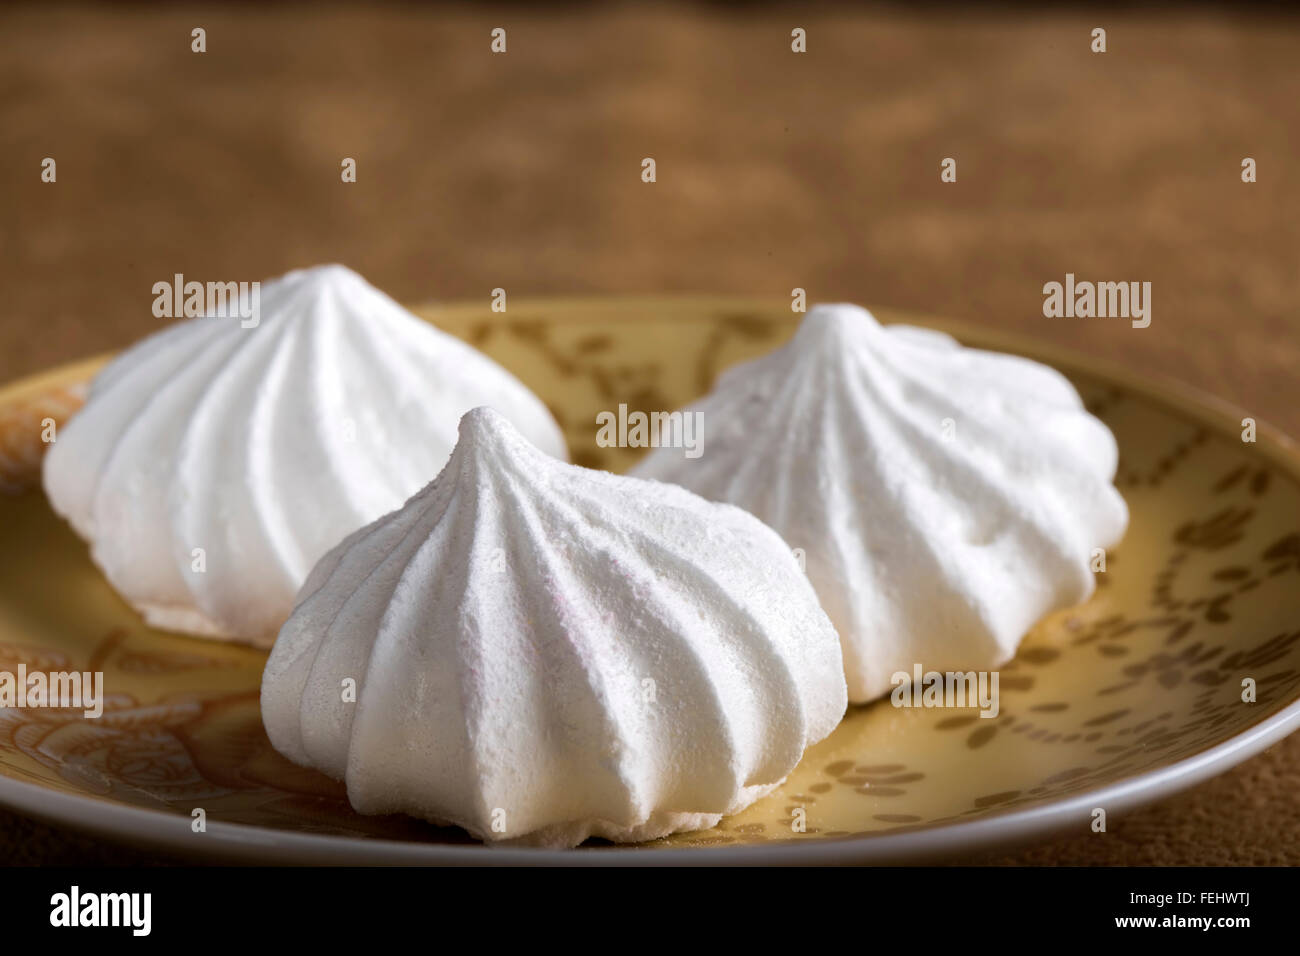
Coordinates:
1117	702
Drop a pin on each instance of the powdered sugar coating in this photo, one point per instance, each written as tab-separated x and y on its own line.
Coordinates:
262	447
946	497
544	653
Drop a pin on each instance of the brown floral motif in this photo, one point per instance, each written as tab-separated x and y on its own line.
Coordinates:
1190	438
731	325
183	752
1283	555
1256	480
616	379
32	658
1221	529
131	751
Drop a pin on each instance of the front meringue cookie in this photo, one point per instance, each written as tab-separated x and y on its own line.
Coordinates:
213	464
946	497
543	653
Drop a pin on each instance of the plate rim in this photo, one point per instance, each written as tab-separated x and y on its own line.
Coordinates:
234	842
172	832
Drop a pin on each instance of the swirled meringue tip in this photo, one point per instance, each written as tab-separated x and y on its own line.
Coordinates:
214	463
542	653
946	498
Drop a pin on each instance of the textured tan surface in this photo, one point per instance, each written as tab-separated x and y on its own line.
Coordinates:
775	170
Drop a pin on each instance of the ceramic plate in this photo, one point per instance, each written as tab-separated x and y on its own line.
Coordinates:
1120	701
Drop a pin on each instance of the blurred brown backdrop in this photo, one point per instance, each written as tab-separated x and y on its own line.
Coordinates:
775	170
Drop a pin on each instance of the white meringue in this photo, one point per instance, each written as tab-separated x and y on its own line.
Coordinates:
249	452
946	497
544	653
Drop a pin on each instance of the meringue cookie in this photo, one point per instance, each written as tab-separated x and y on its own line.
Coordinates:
213	464
543	653
946	497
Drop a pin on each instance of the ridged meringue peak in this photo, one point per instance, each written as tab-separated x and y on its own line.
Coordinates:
543	653
945	497
214	463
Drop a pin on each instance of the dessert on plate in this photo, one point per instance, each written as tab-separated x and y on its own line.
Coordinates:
945	497
214	463
540	653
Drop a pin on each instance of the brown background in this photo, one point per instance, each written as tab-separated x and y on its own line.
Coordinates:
775	170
